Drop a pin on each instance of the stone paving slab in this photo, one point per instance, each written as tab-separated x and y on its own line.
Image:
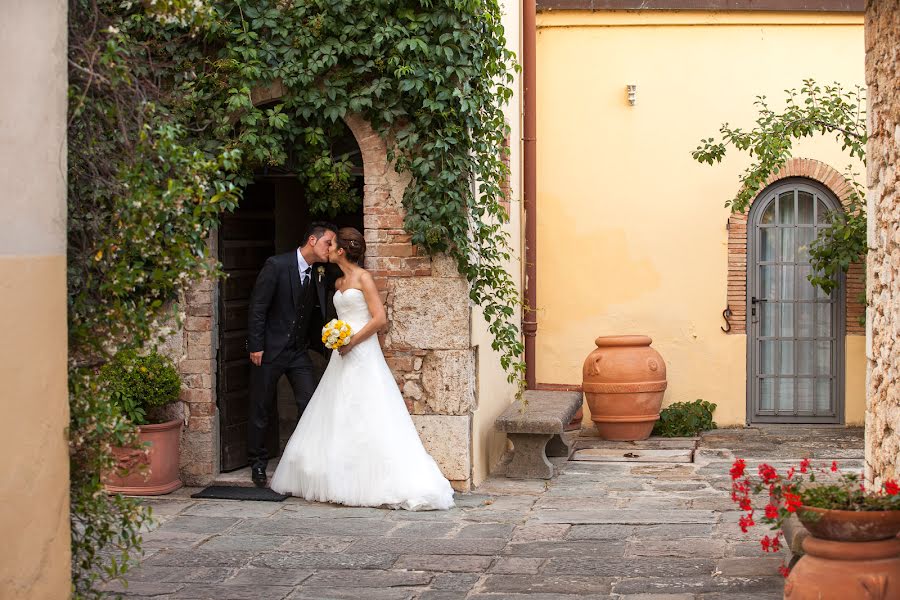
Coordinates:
548	584
634	455
612	530
627	516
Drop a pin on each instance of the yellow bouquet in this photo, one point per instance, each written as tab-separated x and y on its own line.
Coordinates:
336	333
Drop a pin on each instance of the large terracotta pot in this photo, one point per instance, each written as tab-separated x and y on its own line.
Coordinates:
833	570
624	380
850	525
159	474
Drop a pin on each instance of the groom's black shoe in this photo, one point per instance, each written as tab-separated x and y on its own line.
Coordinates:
258	474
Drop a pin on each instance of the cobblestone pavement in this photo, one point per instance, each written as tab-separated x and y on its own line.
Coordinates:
627	530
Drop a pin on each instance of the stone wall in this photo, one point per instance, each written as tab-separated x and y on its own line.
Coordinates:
883	275
428	343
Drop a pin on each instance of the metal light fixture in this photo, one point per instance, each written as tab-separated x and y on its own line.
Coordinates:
632	93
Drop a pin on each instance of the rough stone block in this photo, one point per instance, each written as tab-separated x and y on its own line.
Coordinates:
429	313
448	379
448	440
444	266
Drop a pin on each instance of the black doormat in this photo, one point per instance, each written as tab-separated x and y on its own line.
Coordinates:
231	492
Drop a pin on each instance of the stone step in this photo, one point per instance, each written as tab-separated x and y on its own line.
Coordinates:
657	455
654	443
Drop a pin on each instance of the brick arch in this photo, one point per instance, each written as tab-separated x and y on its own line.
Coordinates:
389	252
835	182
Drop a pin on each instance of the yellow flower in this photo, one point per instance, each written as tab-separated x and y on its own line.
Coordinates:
99	255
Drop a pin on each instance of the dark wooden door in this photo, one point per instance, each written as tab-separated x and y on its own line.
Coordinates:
246	240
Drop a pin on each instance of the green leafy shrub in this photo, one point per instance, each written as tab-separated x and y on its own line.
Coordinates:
139	384
685	419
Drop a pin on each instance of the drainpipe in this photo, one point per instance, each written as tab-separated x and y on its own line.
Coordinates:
529	315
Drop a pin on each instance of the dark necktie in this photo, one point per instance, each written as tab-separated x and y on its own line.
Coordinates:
305	279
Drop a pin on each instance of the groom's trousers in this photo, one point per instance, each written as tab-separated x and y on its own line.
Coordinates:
297	366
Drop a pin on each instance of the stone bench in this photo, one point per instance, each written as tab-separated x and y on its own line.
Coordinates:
535	432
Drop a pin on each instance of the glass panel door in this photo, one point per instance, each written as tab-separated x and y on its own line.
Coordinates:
795	341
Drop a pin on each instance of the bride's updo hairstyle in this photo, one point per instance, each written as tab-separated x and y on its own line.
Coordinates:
352	242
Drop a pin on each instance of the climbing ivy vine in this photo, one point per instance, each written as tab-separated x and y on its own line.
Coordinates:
164	136
811	110
432	77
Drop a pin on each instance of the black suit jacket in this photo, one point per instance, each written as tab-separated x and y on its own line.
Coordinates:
279	309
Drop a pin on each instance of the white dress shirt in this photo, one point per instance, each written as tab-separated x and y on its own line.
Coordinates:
303	266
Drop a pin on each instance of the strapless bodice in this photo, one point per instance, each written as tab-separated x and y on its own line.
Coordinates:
351	307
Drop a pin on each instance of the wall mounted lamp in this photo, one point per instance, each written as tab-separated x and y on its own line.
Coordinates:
632	93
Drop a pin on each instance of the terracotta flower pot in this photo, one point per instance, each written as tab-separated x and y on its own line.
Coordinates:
624	381
160	476
844	570
850	525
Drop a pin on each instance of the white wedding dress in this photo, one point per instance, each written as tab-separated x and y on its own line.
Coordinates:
356	443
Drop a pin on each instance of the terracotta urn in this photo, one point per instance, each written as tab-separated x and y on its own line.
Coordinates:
843	570
624	381
150	473
850	525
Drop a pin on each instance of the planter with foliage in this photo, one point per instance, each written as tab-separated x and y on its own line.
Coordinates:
852	551
141	387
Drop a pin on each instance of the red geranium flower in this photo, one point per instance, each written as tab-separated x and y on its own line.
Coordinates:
792	501
771	511
891	488
768	474
737	469
834	466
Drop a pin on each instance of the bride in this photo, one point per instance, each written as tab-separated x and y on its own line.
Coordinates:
356	443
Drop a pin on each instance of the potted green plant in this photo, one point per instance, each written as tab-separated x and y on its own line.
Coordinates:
853	546
142	385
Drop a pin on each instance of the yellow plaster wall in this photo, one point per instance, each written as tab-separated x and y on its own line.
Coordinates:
34	518
493	392
631	231
34	480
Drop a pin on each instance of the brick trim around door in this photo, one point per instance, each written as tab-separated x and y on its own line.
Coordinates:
737	247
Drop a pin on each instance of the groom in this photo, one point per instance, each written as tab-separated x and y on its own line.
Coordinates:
291	301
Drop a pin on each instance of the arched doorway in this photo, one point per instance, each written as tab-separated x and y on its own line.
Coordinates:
270	219
795	332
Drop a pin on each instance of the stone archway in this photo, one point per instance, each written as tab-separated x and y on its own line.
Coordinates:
428	342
